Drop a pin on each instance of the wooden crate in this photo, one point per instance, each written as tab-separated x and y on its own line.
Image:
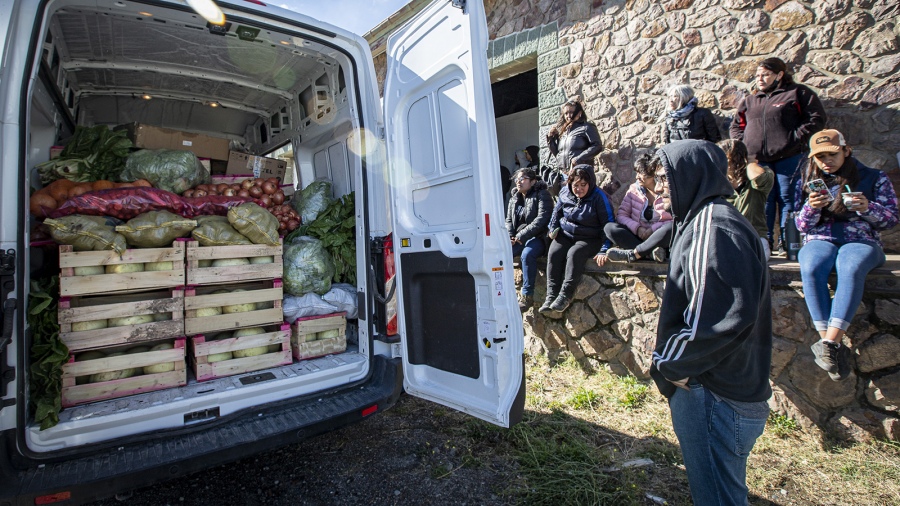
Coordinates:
72	285
197	275
274	335
159	304
200	297
74	394
311	325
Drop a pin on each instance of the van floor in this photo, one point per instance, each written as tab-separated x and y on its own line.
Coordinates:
196	390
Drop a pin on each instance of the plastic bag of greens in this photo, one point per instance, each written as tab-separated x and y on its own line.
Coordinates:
169	169
255	222
87	233
307	267
312	200
155	229
217	231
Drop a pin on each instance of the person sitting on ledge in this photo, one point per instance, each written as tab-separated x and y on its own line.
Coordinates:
643	228
752	183
527	217
846	204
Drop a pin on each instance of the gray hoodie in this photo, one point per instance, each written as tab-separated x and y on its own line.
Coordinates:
715	324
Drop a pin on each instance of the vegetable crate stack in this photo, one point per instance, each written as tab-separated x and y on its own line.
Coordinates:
128	343
237	327
317	336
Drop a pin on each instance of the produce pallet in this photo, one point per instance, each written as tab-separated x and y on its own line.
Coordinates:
197	275
276	336
199	301
304	343
165	307
75	392
72	285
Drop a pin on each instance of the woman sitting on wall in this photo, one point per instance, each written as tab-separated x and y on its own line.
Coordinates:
527	217
752	183
846	204
685	120
576	228
642	228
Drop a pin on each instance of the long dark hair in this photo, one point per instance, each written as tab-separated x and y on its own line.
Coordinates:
848	174
583	172
776	65
736	153
563	126
534	154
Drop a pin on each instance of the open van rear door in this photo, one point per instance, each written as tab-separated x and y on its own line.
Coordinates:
459	321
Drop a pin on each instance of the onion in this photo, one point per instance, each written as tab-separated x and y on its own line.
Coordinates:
236	187
258	182
256	192
273	180
188	193
278	198
243	193
200	193
266	201
292	224
204	187
246	184
221	187
229	192
269	187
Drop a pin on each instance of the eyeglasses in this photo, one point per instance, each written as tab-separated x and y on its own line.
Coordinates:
522	178
661	179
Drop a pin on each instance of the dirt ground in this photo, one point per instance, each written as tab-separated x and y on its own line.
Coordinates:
406	455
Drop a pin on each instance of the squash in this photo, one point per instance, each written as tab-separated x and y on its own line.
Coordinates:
163	367
124	268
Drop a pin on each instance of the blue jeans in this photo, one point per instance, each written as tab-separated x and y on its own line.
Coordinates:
782	194
852	262
715	443
528	253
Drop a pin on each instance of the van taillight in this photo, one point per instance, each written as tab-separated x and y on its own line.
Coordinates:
53	498
391	303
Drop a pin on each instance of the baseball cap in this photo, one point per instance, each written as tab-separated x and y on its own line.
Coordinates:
826	140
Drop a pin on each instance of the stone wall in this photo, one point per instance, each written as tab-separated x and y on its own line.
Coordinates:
613	321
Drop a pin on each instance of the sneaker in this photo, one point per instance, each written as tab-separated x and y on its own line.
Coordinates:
545	307
620	255
843	364
525	302
658	254
826	353
560	304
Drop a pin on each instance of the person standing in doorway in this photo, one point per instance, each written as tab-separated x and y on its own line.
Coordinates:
775	122
714	336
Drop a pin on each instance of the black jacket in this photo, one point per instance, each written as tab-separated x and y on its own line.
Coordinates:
533	221
700	124
581	142
582	219
778	125
715	322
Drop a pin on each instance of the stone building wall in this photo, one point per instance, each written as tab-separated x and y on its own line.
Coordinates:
613	321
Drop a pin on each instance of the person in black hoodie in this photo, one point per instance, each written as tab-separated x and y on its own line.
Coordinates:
714	336
527	217
576	227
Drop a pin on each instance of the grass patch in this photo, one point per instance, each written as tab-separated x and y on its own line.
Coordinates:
781	426
584	399
634	394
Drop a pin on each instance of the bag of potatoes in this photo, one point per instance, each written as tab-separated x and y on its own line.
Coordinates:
87	233
155	229
255	222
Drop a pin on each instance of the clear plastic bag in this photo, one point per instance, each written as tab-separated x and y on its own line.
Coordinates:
87	233
312	200
168	169
156	229
307	267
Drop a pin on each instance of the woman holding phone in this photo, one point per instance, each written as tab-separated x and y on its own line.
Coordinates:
846	205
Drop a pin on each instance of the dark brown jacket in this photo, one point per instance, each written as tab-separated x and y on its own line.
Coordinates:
778	125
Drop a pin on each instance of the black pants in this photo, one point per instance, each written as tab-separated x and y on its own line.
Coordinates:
565	263
625	239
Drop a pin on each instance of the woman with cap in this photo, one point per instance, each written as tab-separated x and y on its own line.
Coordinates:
576	228
527	217
685	120
775	122
845	206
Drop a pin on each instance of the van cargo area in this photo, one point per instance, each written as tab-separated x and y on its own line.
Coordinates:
255	85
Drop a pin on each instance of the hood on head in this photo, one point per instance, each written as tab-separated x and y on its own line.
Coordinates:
696	171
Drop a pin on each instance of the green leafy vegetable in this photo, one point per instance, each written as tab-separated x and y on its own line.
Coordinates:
48	353
335	226
92	154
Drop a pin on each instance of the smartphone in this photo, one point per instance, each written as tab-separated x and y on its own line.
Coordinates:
819	186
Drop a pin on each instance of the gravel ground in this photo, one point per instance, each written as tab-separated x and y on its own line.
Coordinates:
415	453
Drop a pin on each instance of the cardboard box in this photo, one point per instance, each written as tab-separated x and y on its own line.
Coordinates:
259	166
151	137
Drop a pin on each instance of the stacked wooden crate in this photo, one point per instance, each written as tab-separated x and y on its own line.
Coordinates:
317	336
124	330
233	314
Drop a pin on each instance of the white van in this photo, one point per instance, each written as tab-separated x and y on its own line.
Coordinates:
427	200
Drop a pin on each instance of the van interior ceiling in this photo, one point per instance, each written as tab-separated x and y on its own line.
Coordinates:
106	62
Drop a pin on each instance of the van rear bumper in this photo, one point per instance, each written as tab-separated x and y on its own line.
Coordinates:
125	467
